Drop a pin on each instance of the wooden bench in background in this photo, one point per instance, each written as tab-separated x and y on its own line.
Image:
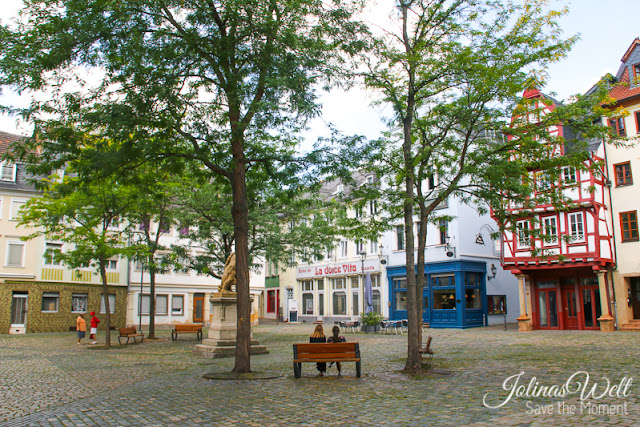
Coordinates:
128	333
323	352
179	329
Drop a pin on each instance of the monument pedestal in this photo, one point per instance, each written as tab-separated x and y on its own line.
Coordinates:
221	341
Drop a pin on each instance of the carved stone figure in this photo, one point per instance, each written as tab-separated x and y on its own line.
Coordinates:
229	274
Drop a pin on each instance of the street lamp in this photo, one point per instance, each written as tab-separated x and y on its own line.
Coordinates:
363	256
383	260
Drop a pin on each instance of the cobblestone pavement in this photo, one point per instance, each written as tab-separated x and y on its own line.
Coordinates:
46	379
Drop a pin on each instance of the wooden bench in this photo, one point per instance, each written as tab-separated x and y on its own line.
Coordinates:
179	329
325	352
128	333
427	350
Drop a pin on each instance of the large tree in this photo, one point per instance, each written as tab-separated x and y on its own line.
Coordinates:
454	74
87	216
221	83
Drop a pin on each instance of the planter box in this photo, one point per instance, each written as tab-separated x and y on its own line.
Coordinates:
370	328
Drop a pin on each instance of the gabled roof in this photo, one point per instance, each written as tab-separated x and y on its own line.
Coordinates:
630	50
7	140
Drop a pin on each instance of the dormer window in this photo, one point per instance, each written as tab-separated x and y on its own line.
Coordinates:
636	73
8	172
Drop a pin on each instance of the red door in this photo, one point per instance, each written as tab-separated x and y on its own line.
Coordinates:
198	308
570	310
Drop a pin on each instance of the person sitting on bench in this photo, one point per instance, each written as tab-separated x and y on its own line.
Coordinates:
318	336
336	338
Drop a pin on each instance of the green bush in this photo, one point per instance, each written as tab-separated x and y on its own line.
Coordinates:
371	318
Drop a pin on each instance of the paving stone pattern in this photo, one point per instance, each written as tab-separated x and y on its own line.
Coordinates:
46	379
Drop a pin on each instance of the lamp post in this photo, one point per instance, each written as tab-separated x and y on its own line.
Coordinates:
363	256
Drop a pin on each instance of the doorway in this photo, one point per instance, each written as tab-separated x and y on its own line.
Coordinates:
198	308
19	312
634	298
570	311
548	308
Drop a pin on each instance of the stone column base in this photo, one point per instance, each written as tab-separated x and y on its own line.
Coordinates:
606	323
525	324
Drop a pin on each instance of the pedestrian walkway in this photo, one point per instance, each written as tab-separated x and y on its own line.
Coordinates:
46	379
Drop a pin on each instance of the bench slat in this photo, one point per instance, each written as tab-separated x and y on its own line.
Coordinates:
336	359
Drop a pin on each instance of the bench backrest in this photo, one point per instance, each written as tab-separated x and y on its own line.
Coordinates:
188	328
128	330
326	350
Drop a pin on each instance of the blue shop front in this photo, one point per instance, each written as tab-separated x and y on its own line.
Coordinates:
454	296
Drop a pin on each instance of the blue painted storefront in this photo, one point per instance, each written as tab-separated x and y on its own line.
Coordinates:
455	294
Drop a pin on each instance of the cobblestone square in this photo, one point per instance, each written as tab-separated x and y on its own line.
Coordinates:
46	379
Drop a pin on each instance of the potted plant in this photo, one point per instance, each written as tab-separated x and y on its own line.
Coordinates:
370	321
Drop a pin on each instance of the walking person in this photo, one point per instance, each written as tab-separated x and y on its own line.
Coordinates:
335	338
94	328
81	327
318	336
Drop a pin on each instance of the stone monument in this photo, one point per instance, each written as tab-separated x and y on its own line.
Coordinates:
221	341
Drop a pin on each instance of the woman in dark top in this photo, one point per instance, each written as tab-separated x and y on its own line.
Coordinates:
318	336
336	338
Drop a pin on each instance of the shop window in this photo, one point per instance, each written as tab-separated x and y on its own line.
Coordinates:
629	225
354	283
307	285
377	306
623	174
50	302
355	307
112	304
576	227
497	304
79	303
320	304
400	283
472	279
339	303
472	298
338	283
443	281
444	299
161	305
177	305
307	303
401	300
320	284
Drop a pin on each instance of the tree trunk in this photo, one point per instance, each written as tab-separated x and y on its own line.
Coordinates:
152	302
241	227
107	308
413	340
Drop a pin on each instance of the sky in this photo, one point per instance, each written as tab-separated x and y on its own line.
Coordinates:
606	29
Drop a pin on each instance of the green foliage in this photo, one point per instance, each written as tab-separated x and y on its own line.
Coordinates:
371	318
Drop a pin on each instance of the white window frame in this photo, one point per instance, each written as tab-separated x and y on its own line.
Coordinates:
344	248
112	303
569	175
14	243
576	227
174	299
523	237
550	223
145	304
112	264
55	295
16	204
5	165
52	262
